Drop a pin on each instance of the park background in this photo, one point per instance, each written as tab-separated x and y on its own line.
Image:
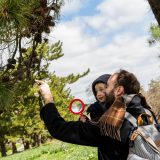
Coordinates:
68	44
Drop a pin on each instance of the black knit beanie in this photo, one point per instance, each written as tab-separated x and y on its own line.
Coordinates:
102	79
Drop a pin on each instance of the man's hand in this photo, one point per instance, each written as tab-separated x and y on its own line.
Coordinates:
45	91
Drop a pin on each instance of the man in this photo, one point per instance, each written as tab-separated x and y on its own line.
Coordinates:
111	133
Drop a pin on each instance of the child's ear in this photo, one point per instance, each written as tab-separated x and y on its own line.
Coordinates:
119	91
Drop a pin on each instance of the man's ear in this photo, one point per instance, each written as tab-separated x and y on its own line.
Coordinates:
119	91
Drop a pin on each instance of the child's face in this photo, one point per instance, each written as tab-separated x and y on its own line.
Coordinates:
100	89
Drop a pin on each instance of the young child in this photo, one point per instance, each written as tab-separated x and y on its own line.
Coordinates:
96	109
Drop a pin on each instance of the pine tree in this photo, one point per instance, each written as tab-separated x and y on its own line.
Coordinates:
23	116
24	26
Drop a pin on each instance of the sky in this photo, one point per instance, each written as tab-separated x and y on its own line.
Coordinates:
105	36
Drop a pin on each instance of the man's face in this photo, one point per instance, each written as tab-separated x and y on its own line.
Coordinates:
110	96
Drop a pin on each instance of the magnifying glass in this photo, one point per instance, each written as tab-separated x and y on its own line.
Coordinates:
77	106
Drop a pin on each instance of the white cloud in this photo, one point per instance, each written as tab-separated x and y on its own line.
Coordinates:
75	41
134	56
113	14
71	7
103	54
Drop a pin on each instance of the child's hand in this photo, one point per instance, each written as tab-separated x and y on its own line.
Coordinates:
83	118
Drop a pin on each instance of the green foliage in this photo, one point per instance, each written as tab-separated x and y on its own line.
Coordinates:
26	19
22	120
6	97
24	25
155	34
57	151
56	51
155	31
14	16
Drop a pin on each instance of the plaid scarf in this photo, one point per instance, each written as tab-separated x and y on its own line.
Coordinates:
111	121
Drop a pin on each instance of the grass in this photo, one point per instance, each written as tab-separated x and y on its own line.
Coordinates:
56	151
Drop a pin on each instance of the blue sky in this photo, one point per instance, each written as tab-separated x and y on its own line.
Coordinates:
83	8
105	35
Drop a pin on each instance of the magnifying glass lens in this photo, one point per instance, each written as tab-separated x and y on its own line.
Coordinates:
76	106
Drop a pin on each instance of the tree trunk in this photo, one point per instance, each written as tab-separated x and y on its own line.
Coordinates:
34	141
26	144
3	149
38	140
155	6
43	139
14	147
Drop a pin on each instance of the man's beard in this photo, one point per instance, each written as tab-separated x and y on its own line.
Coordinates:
110	98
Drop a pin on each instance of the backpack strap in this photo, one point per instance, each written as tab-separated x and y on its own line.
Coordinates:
147	111
128	98
128	116
150	112
131	119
